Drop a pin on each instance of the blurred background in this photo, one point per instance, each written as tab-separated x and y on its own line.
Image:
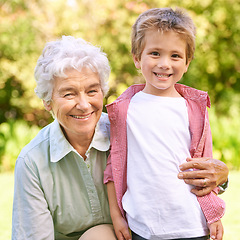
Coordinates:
25	27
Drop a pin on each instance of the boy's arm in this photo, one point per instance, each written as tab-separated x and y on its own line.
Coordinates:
216	230
108	175
212	206
210	173
119	223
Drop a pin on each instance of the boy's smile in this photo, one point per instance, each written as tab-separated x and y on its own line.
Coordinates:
163	62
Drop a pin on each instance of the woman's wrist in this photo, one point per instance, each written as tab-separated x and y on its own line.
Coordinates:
223	187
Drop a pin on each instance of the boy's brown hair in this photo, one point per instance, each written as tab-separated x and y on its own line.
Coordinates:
163	19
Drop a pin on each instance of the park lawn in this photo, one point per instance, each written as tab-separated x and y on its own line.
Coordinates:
6	183
231	219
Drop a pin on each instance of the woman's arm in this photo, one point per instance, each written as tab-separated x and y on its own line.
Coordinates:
31	216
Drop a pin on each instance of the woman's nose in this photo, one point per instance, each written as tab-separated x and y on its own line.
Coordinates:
82	103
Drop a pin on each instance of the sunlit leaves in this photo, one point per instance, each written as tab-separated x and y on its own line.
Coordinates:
26	25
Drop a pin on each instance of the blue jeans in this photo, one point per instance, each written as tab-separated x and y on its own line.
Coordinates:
137	237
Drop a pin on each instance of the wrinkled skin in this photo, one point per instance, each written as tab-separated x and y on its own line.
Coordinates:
208	174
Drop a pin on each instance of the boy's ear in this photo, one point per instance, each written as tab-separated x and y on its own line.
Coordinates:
136	62
47	106
187	65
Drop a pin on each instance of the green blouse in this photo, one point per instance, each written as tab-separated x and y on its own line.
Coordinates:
58	195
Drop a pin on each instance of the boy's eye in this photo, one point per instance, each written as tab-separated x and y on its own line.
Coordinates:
155	53
175	56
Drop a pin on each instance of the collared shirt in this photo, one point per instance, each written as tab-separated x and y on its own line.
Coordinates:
57	194
158	141
201	143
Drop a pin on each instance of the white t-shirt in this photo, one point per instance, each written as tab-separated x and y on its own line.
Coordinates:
158	204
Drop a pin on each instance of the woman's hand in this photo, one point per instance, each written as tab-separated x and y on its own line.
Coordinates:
209	174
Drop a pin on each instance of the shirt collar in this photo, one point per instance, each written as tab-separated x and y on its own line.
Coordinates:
187	92
60	147
101	138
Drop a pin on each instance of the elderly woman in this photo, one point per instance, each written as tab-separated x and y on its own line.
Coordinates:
59	191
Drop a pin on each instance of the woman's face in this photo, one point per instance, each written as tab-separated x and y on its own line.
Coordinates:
77	103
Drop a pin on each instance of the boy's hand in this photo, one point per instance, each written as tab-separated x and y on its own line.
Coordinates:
121	229
119	223
216	230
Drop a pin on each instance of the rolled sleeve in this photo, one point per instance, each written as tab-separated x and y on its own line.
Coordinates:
212	206
108	176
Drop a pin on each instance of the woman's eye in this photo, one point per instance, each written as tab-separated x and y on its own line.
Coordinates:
92	92
68	94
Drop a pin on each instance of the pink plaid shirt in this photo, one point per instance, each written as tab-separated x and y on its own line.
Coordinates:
201	143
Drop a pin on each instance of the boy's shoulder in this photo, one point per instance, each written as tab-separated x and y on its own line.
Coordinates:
189	91
128	93
186	91
193	94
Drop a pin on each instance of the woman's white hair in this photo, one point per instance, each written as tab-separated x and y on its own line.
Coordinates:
68	53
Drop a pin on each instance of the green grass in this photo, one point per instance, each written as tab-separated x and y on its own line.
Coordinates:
6	183
231	219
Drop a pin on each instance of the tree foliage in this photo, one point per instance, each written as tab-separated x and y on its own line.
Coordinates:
26	25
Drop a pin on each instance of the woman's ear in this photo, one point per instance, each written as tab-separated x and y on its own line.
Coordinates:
136	62
47	106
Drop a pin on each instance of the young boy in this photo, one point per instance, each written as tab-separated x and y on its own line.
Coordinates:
154	128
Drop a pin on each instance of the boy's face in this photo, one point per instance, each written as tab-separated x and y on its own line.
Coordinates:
163	62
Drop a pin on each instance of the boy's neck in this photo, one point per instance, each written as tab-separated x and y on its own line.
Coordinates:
163	93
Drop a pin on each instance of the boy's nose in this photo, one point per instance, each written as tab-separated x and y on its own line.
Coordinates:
163	63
